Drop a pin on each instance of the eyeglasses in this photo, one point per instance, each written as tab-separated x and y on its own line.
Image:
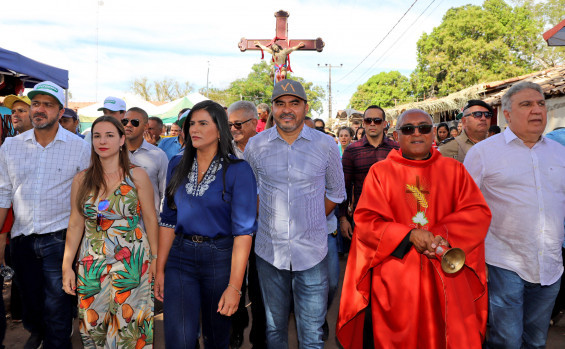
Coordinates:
102	206
369	121
480	114
134	122
410	129
237	125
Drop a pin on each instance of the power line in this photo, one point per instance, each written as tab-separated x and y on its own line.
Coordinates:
393	44
387	34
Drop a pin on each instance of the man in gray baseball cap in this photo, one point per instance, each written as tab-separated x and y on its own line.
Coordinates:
305	165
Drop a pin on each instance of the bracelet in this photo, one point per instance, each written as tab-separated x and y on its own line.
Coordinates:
152	257
235	288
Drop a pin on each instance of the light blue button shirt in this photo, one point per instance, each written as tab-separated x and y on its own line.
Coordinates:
293	181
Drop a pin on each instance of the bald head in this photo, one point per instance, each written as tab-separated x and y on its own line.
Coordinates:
402	116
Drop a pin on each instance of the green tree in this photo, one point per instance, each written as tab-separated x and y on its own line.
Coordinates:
257	87
384	89
476	44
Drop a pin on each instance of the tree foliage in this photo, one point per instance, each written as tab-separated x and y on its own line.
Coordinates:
257	87
384	89
476	44
165	90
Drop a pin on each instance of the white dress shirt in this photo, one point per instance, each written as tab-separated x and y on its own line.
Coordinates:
37	180
154	161
525	190
293	181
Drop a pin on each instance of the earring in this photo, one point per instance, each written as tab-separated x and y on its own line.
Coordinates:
120	148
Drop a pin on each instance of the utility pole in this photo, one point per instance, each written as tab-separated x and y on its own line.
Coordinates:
207	76
329	66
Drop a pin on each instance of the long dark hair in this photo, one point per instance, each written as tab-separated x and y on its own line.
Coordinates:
440	125
225	147
93	182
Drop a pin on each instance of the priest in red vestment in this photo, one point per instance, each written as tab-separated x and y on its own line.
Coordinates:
412	202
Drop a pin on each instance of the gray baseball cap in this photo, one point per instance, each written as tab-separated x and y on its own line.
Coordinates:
288	87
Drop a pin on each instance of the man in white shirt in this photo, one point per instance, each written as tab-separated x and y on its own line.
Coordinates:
522	177
143	154
36	171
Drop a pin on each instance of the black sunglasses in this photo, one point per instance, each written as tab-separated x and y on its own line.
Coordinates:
410	129
238	124
480	114
134	122
369	121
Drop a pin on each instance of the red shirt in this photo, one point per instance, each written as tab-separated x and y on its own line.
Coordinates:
261	125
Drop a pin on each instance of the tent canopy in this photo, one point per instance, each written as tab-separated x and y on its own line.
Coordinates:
556	35
29	71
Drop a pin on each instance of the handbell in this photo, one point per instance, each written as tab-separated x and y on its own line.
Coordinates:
452	259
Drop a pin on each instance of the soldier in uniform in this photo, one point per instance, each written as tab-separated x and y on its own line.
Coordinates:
476	120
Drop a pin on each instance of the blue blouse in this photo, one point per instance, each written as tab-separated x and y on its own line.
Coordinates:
200	207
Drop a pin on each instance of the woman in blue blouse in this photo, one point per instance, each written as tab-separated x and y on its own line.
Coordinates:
208	218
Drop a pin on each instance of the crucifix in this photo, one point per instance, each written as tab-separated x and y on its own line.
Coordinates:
280	46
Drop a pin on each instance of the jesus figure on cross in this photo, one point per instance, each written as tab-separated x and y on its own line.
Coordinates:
280	59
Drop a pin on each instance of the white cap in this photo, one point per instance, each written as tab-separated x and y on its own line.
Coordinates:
48	88
114	104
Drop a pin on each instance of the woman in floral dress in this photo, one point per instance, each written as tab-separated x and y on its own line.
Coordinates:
115	268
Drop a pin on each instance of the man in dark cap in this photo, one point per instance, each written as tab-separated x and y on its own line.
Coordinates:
476	120
70	121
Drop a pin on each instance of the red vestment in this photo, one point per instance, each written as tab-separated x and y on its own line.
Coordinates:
414	303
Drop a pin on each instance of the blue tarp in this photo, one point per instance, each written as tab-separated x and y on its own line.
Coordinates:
31	72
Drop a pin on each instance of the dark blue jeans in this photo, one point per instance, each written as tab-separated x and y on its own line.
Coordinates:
47	310
519	311
309	288
196	275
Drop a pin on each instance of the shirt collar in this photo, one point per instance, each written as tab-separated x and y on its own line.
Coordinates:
62	135
145	145
306	133
510	136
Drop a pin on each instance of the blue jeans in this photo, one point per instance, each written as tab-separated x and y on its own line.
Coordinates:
333	267
196	276
310	291
519	311
47	310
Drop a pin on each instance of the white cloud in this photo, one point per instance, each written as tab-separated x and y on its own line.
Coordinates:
171	38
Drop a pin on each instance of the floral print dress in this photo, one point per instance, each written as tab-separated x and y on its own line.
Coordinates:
114	290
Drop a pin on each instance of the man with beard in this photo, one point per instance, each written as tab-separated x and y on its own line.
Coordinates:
39	185
476	120
153	160
300	181
20	112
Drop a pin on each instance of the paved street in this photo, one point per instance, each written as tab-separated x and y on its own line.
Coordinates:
16	335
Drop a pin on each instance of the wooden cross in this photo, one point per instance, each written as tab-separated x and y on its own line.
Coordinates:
281	37
280	57
422	190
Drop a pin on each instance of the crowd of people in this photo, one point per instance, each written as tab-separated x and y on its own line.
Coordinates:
261	200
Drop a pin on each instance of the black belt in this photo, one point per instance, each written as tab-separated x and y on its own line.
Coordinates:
199	238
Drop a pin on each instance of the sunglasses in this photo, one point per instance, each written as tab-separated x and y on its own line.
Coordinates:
237	125
410	129
134	122
102	206
480	114
369	121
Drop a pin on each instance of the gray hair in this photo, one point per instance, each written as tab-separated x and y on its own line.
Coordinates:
524	85
265	107
410	111
248	108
